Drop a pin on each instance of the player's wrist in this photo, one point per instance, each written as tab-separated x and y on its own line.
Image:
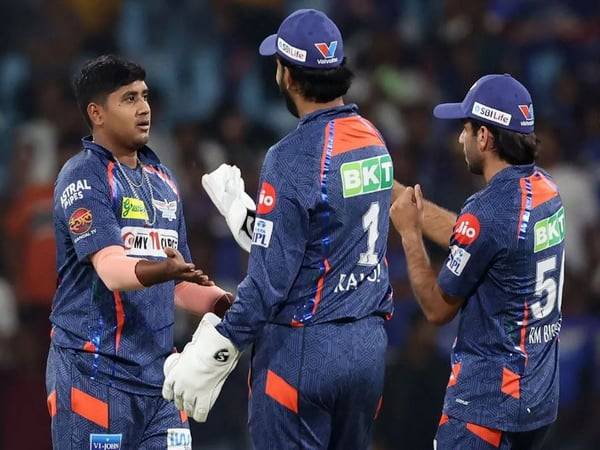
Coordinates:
411	236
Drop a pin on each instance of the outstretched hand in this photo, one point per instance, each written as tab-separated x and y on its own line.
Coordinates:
184	271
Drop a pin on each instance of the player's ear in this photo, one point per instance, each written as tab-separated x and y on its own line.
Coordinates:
485	139
288	81
95	113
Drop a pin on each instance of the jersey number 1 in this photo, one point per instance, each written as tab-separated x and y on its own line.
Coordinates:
370	221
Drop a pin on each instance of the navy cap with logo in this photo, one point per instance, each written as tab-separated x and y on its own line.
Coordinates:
306	38
498	100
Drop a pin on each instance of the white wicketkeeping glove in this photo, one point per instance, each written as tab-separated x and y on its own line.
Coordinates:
194	377
225	187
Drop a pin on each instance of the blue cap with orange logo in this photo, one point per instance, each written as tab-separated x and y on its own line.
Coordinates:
498	100
306	38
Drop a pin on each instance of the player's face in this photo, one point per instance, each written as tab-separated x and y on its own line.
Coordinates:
127	115
473	156
289	101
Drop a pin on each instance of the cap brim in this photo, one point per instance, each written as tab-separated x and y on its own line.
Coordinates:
449	111
268	47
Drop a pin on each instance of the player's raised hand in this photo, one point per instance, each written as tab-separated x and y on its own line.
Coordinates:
407	211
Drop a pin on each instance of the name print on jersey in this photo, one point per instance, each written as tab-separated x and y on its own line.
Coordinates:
367	175
73	192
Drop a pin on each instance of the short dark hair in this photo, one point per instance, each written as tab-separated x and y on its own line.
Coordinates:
100	77
320	85
512	147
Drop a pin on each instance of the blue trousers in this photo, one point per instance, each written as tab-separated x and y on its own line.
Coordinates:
317	387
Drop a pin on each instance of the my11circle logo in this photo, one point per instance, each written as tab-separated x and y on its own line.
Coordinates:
467	228
266	198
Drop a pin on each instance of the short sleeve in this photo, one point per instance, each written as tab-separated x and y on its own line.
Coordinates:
83	202
473	246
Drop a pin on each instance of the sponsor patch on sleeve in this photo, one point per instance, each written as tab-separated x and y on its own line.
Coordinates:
266	198
179	439
73	192
105	441
141	241
467	229
457	260
80	221
262	232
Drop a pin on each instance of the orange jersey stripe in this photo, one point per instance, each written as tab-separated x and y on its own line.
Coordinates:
489	435
89	407
281	391
511	383
352	133
52	403
120	314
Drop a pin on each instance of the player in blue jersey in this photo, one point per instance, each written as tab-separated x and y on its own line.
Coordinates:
317	290
123	261
504	274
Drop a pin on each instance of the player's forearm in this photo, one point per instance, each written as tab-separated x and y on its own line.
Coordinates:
200	300
424	281
438	222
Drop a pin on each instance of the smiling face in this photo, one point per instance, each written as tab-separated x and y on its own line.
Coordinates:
125	115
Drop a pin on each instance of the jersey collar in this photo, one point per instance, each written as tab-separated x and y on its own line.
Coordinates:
145	155
328	113
513	172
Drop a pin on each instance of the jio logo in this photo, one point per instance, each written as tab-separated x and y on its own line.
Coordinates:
467	228
266	199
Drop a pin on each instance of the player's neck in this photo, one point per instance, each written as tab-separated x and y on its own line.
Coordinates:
493	167
305	108
124	155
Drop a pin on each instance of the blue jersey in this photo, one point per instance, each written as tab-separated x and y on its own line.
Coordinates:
507	260
320	235
122	338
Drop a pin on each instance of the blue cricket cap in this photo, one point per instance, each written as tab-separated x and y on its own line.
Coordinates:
498	100
306	38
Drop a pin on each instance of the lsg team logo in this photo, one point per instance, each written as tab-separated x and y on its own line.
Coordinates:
467	228
266	198
80	221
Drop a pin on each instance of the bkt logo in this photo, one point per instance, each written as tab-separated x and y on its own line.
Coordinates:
467	228
367	175
328	51
266	198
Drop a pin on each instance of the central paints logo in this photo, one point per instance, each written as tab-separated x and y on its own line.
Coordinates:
549	231
80	221
367	175
133	208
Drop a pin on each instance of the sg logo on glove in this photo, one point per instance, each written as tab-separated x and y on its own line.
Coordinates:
222	355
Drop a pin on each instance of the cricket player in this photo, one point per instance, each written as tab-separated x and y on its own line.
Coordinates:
317	290
123	263
504	273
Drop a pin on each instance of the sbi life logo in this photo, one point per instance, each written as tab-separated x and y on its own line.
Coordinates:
367	175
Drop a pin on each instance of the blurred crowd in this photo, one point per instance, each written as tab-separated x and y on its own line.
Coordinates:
215	100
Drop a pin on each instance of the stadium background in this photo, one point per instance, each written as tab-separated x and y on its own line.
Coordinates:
215	100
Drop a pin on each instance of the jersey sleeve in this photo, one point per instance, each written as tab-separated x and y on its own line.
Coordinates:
83	202
473	247
278	246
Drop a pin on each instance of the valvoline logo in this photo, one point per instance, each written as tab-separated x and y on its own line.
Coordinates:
266	198
527	112
328	51
467	228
